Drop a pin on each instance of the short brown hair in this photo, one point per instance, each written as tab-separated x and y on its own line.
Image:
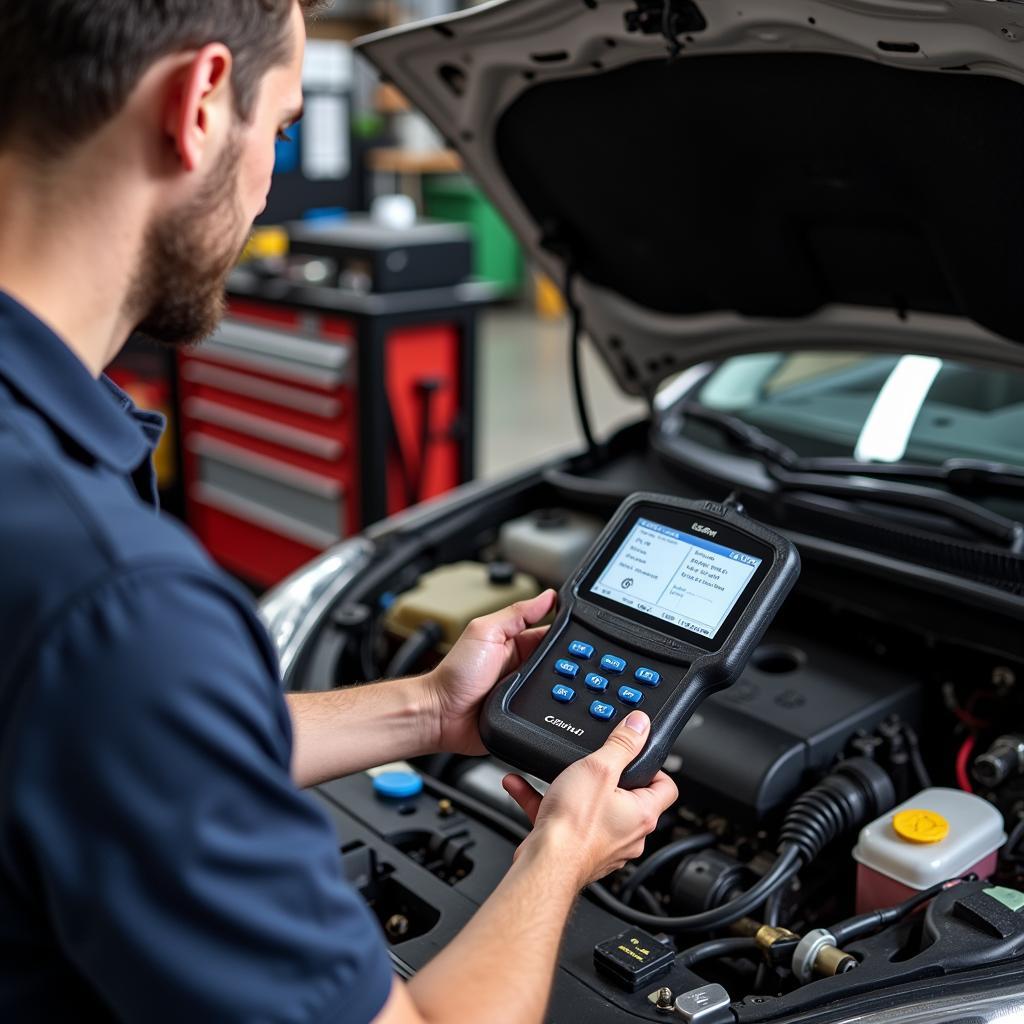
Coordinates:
72	64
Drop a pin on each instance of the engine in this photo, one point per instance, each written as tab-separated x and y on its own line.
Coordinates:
842	825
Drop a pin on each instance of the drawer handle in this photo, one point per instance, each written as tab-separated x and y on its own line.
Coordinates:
288	369
263	465
327	355
260	515
196	372
267	430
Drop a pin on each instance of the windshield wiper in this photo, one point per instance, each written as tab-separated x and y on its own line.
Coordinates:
879	482
748	437
962	476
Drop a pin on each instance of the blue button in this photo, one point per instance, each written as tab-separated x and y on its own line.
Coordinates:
563	693
613	663
566	668
648	676
602	711
578	649
596	682
397	785
630	696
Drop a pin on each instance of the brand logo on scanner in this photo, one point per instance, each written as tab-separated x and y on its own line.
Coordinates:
706	530
551	720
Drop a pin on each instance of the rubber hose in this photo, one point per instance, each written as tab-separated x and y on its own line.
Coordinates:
425	639
781	871
715	949
646	868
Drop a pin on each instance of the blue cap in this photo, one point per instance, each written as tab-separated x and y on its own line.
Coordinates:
397	785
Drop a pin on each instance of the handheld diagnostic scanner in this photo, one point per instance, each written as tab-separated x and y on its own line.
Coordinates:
667	608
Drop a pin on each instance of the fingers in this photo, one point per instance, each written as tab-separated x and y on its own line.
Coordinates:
660	795
512	621
624	744
524	794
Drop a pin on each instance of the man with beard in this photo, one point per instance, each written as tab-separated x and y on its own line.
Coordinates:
157	860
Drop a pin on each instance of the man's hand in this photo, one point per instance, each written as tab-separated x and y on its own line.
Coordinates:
585	817
490	648
503	960
351	729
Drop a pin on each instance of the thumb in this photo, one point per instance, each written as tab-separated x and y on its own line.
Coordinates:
512	621
535	608
625	742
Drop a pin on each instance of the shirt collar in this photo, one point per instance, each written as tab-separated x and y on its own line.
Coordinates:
95	414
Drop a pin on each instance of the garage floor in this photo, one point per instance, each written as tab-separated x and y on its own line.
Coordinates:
524	389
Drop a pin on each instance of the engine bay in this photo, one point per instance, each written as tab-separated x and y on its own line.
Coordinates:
886	750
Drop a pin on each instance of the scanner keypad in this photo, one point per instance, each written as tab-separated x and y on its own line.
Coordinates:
613	664
587	683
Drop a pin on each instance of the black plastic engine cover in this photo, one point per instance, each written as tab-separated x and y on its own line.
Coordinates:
752	748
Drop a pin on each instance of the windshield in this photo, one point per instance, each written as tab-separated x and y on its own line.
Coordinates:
874	408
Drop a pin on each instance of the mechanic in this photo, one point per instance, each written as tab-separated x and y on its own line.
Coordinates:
158	861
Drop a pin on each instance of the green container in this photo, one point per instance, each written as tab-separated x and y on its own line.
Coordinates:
498	258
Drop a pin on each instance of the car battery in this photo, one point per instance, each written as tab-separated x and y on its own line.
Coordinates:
363	256
937	835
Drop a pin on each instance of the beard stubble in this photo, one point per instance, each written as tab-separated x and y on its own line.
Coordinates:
178	295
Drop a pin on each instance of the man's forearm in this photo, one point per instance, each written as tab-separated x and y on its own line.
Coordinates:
500	967
345	731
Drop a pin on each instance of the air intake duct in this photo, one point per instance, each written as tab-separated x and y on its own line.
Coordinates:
856	792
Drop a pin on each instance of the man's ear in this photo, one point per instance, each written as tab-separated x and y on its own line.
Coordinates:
200	108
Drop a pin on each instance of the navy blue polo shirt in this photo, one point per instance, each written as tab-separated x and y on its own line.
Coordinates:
156	861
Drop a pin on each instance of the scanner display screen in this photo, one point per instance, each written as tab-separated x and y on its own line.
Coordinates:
676	577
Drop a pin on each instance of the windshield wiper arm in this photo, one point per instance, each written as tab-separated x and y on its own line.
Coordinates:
848	478
748	437
1006	531
963	476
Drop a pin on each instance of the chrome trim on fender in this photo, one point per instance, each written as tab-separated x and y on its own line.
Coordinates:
1003	1005
293	609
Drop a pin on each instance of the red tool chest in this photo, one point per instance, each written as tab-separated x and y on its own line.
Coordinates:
301	425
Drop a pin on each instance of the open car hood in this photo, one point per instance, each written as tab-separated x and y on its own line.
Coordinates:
803	174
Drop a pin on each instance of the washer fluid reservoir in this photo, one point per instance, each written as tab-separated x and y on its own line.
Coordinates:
934	836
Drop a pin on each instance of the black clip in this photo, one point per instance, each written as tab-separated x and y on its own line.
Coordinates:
669	18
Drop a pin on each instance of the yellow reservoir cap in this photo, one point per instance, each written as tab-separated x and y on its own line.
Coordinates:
919	826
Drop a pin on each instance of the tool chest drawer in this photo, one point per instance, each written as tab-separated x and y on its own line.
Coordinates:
312	503
205	378
277	355
252	423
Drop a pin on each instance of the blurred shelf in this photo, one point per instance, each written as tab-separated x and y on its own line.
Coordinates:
390	160
388	100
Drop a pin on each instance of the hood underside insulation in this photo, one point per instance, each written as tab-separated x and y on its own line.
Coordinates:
776	184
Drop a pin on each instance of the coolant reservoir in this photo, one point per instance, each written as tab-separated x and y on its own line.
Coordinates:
934	836
549	544
454	595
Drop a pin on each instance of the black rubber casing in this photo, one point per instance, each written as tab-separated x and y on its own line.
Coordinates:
546	752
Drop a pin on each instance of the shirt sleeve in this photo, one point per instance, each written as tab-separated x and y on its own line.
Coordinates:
184	875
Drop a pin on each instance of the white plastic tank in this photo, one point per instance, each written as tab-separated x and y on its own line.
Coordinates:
936	835
548	544
453	595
